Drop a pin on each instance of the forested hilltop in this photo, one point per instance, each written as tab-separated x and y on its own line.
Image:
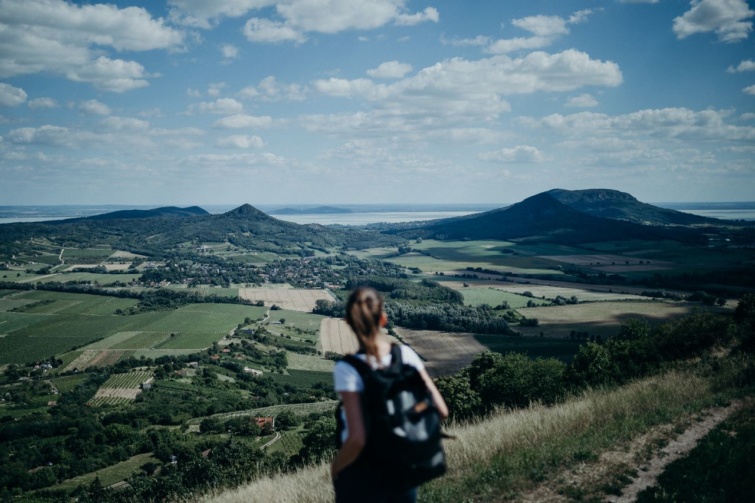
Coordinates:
163	354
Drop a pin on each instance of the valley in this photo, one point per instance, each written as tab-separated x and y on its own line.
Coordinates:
155	344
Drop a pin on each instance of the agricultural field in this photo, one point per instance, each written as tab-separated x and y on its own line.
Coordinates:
443	352
120	389
300	409
68	383
599	318
111	475
481	292
94	358
287	298
297	361
298	325
303	378
63	321
336	337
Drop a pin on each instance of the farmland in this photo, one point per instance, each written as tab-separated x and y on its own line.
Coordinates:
119	389
337	337
443	353
287	298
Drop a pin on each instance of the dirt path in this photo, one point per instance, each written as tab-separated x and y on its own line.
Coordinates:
637	464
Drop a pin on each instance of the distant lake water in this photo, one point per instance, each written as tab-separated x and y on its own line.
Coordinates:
359	215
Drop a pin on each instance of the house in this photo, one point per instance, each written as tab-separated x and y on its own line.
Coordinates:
263	421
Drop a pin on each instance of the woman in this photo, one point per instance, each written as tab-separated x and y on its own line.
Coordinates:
354	481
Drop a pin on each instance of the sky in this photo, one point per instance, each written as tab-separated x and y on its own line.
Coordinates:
191	102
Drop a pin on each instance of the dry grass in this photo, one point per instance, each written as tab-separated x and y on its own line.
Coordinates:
505	434
287	298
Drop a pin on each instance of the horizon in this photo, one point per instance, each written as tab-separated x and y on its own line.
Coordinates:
374	101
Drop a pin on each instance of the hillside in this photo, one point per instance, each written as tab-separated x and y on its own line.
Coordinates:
542	218
616	205
157	231
167	211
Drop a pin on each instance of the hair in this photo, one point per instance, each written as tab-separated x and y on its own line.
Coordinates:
364	311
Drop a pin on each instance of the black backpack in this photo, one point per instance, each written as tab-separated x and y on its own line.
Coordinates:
402	424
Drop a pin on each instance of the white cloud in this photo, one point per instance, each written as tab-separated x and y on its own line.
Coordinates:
519	154
269	89
747	65
44	135
115	75
390	70
429	14
479	40
749	90
243	121
585	100
297	18
229	51
727	18
214	89
271	32
240	141
193	93
94	107
681	123
221	106
125	124
11	96
545	30
66	39
749	116
41	103
204	14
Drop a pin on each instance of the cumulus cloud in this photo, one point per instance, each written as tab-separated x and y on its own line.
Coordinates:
11	96
204	14
69	40
42	103
44	135
240	121
545	30
390	70
94	107
240	141
585	100
221	106
229	52
125	124
519	154
749	90
269	89
726	18
297	18
214	89
680	123
747	65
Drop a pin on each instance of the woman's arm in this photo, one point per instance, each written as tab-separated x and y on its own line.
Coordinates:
440	404
354	443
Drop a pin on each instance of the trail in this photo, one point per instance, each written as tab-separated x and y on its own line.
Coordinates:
644	457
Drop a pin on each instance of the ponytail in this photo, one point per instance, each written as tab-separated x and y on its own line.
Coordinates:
364	312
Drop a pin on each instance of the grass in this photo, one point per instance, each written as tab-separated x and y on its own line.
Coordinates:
494	297
110	475
510	452
303	378
719	468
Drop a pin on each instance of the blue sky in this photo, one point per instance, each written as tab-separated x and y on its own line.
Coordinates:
374	101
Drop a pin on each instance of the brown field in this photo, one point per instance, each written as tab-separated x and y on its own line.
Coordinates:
99	358
599	318
117	267
336	336
125	255
444	353
287	298
549	291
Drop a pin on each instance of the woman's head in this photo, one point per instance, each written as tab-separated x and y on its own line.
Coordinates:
364	314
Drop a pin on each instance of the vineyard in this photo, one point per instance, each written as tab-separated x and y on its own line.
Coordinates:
120	389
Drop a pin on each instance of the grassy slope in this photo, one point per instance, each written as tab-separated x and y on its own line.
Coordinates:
511	452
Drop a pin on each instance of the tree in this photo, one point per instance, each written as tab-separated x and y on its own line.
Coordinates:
319	442
287	420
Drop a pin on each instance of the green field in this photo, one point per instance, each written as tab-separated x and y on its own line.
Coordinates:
75	320
110	475
303	378
68	383
494	297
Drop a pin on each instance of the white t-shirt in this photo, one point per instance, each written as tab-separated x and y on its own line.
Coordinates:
347	378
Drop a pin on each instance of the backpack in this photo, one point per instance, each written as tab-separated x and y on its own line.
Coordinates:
402	423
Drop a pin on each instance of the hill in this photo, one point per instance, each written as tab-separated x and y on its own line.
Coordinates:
167	211
616	205
542	218
245	226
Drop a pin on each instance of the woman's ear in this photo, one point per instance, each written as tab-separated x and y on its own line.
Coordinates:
383	320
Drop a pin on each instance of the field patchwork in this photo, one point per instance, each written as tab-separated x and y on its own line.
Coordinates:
121	388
